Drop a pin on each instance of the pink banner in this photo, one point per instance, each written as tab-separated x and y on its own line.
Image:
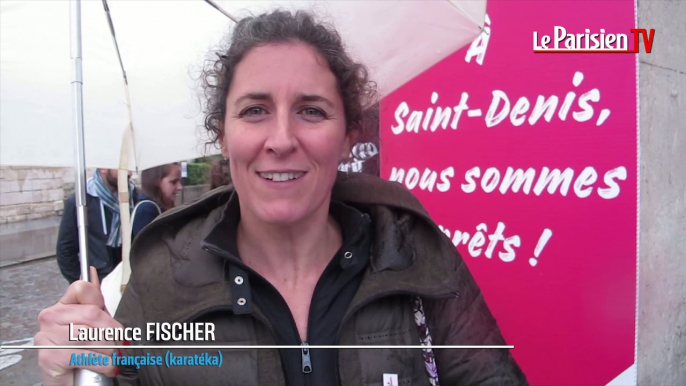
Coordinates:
529	164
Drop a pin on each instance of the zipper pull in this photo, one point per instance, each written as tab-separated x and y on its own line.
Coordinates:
307	362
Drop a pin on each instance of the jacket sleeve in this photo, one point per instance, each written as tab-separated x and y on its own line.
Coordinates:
466	320
145	214
67	250
130	314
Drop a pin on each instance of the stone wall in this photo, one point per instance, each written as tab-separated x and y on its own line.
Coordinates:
28	193
662	272
191	193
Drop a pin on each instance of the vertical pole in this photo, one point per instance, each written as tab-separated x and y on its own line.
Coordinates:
82	377
184	180
77	98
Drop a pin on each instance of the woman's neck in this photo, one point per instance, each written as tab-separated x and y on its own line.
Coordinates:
290	252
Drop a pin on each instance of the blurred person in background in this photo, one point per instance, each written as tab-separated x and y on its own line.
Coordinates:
162	184
219	173
104	226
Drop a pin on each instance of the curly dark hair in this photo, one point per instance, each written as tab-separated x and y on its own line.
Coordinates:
355	88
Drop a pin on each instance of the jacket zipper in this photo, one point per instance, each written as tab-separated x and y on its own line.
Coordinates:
306	357
306	360
305	351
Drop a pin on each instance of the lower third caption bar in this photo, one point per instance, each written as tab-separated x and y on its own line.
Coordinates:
169	360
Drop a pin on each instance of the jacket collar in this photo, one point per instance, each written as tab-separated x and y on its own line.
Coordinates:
222	236
410	255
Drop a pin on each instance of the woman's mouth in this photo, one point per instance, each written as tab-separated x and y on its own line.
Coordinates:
279	177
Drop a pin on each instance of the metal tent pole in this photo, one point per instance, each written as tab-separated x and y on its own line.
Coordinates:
80	169
82	377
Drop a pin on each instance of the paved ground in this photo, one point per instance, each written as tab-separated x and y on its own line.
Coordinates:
25	290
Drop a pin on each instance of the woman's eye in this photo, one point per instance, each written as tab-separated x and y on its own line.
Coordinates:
252	111
313	112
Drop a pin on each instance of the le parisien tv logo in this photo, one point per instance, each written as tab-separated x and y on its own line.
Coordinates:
597	42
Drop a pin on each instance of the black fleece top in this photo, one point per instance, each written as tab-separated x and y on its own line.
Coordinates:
332	295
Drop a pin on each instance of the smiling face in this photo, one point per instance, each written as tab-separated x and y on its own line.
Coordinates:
284	132
170	184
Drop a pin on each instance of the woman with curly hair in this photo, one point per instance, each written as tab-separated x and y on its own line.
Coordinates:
292	252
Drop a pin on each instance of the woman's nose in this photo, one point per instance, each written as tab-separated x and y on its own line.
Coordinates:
282	140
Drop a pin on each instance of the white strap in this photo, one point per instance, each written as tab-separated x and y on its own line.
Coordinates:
123	176
135	208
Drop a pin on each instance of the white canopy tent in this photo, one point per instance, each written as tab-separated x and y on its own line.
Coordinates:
163	45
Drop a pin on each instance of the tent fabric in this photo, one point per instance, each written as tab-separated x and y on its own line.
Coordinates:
163	47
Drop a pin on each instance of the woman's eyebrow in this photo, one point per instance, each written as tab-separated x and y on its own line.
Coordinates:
261	96
315	98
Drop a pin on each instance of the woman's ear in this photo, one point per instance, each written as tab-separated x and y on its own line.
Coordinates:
350	138
221	138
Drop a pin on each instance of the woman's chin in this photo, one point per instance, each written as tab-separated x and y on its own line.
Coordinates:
281	214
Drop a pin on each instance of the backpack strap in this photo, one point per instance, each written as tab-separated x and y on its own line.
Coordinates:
142	202
425	340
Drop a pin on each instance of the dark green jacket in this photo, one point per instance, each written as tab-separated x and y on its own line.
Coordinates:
174	280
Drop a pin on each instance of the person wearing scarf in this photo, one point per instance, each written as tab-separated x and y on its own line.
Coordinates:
104	226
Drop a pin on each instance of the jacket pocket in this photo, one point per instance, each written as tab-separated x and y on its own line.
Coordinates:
389	323
405	363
